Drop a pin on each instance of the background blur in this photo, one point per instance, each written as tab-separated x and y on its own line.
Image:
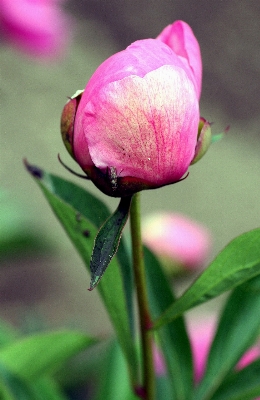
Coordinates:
49	287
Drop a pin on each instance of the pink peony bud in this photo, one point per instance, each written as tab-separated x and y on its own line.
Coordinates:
136	124
177	240
38	27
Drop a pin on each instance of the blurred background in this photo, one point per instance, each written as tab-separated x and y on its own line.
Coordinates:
42	279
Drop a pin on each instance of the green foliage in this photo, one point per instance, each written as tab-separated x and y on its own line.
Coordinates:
81	215
27	364
237	263
237	331
236	268
177	357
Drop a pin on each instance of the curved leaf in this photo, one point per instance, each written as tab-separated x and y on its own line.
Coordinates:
40	354
173	337
79	212
237	263
237	331
242	385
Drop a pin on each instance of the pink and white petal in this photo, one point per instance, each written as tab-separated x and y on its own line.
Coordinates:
144	127
180	38
138	59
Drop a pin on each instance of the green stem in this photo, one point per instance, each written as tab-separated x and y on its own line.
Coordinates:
142	300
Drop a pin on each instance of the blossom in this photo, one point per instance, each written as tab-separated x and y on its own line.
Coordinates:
201	333
38	27
138	117
201	336
178	241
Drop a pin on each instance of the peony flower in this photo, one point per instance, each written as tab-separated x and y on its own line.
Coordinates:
201	336
38	27
135	126
181	243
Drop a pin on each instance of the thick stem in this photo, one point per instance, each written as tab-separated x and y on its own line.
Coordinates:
142	300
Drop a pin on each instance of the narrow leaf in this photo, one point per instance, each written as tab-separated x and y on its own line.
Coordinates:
173	337
107	241
113	377
237	331
237	263
242	385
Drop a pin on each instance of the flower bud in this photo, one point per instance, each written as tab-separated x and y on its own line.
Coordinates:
136	125
181	244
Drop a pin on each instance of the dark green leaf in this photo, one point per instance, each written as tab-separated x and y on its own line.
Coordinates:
78	213
237	263
97	213
173	337
107	241
242	385
238	329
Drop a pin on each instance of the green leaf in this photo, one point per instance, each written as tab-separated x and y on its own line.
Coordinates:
237	263
39	354
107	241
13	387
173	337
79	212
237	331
242	385
113	379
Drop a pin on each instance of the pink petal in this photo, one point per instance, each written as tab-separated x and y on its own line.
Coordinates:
144	127
178	238
138	59
180	38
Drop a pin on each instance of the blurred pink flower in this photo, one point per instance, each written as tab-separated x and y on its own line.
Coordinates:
177	240
38	27
158	361
201	336
138	118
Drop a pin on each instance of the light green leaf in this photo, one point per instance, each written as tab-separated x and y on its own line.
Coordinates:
237	263
113	377
12	387
40	354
